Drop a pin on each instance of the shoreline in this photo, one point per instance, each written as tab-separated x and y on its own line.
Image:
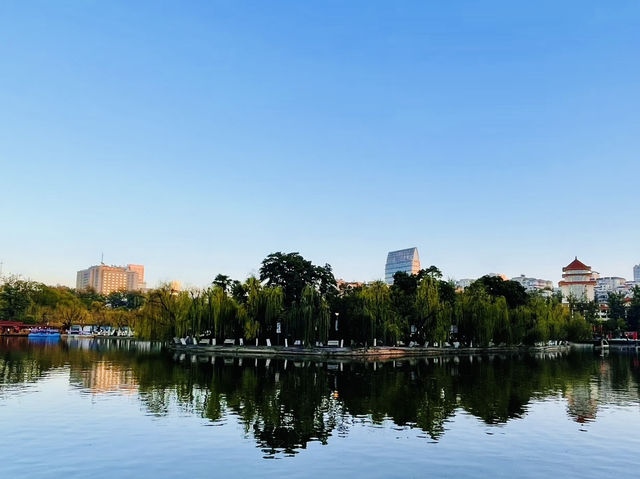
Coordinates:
376	353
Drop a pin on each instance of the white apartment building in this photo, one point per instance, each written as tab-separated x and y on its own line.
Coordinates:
609	284
464	283
533	284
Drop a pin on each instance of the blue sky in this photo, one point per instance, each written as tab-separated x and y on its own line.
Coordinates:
197	137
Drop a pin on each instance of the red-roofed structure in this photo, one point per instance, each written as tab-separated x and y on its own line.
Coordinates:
578	282
11	327
576	265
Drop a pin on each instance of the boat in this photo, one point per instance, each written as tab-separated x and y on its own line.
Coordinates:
47	333
75	330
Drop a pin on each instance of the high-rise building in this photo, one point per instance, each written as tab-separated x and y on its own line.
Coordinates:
107	279
406	260
139	269
578	282
636	273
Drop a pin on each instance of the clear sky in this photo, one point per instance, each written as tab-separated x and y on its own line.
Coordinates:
197	137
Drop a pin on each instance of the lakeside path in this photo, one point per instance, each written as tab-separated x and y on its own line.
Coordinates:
373	353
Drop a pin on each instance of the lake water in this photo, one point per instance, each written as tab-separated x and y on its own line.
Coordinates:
121	408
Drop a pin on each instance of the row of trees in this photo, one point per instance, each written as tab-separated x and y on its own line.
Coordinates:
30	302
623	315
293	298
425	309
290	292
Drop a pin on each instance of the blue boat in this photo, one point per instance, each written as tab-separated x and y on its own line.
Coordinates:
46	333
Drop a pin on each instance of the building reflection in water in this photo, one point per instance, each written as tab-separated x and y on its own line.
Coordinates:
286	403
104	377
582	402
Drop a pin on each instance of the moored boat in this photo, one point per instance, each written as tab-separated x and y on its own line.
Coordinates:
44	333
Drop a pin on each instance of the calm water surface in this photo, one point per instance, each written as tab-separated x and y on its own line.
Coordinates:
119	408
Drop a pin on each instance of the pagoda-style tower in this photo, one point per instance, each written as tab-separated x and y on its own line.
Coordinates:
578	282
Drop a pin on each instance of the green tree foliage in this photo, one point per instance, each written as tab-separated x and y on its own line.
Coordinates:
502	327
633	315
69	313
129	300
16	296
512	291
578	328
164	315
617	309
223	281
355	324
433	316
264	308
382	321
308	320
293	273
304	299
224	320
403	296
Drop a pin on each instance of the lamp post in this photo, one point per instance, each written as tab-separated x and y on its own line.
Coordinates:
337	314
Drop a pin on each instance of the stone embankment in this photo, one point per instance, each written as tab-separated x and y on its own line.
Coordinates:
375	353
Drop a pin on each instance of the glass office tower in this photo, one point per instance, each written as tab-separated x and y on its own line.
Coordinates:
406	260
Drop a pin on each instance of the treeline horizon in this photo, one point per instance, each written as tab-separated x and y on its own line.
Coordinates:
307	303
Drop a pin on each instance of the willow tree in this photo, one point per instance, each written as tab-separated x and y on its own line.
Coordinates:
264	309
433	315
472	316
501	321
69	313
542	320
486	317
520	319
223	312
165	314
558	321
377	308
308	319
314	312
578	329
196	312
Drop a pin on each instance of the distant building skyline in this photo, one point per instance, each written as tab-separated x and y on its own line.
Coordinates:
462	282
534	284
609	284
530	284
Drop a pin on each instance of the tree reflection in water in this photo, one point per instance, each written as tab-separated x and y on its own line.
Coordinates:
285	404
